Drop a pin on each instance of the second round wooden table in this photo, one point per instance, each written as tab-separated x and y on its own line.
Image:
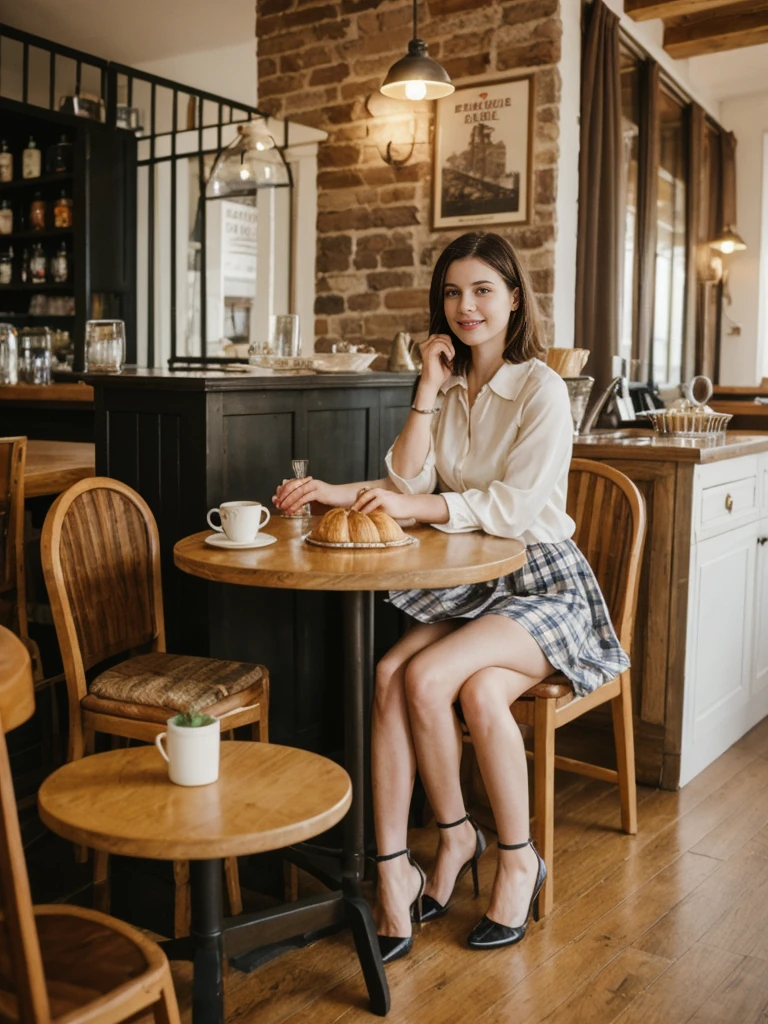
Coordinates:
438	560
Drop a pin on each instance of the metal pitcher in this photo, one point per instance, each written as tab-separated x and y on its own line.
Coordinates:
405	356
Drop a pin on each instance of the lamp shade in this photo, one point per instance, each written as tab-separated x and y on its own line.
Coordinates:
728	241
417	77
251	161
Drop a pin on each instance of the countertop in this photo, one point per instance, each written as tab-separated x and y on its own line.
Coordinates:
76	391
251	379
646	445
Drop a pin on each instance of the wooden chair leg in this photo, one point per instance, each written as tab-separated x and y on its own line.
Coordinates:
182	908
544	792
260	730
101	893
290	881
621	710
166	1010
232	876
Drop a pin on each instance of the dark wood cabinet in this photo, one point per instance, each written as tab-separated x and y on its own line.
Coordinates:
186	442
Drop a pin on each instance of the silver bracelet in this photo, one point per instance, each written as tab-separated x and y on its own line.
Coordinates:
425	412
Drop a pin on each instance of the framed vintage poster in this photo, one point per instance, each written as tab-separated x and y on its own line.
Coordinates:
484	154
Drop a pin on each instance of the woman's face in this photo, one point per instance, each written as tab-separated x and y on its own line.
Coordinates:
477	303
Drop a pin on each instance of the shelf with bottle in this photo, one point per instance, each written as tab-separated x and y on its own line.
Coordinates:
44	179
32	235
25	167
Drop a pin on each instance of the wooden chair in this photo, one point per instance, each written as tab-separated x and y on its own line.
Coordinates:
62	963
609	513
13	590
100	551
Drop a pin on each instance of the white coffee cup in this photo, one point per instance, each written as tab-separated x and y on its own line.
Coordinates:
240	520
193	752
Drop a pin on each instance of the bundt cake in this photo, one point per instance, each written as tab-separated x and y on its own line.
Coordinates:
340	526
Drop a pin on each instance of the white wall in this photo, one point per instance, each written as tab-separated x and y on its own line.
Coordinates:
744	356
228	71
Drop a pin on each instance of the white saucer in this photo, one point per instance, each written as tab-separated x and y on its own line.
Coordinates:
261	540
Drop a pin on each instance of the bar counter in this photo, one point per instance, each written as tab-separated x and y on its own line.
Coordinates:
186	441
56	412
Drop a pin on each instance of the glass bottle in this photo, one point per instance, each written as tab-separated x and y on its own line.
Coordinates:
6	266
59	156
9	354
6	162
31	161
37	212
6	217
62	211
37	264
24	273
60	265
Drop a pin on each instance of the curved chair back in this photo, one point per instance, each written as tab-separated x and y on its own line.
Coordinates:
21	965
101	560
609	513
13	454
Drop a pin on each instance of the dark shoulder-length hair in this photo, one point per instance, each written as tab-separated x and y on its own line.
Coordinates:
525	335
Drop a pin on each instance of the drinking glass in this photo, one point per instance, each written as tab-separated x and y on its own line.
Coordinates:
35	357
9	354
285	335
300	468
579	390
104	346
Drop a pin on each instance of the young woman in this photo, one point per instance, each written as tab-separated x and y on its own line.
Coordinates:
490	427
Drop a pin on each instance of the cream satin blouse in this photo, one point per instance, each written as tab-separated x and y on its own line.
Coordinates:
503	466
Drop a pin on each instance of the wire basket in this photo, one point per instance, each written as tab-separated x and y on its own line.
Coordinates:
694	422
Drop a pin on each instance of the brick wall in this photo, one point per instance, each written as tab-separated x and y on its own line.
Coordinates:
319	62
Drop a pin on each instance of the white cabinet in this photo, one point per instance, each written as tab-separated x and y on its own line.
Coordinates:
726	676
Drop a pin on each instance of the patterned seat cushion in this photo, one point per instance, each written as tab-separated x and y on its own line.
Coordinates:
179	682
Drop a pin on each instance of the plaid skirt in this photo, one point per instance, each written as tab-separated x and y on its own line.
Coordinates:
554	596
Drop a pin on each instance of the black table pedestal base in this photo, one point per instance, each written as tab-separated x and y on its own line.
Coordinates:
252	939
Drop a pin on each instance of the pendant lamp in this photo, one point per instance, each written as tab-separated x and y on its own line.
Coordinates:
728	241
416	76
251	161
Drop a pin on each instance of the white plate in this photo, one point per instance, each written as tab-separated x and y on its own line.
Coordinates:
261	540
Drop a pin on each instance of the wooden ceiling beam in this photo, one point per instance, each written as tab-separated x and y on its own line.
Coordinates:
647	10
700	34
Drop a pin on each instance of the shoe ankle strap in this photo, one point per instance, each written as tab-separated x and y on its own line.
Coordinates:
514	846
391	856
453	824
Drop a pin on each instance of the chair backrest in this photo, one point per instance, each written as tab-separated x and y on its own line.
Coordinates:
22	981
609	512
13	455
101	560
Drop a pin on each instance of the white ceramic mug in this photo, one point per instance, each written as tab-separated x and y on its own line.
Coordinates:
240	520
193	752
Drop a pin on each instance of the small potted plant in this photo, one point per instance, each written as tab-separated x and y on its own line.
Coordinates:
193	740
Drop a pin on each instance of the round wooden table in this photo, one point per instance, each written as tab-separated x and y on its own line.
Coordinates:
267	797
437	560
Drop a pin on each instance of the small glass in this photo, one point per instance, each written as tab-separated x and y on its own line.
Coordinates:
104	346
579	390
35	356
285	335
300	468
9	354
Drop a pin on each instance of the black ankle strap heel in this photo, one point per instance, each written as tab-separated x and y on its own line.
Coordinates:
432	908
514	846
394	947
489	934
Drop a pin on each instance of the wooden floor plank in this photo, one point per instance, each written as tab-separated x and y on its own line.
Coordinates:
684	988
742	997
602	999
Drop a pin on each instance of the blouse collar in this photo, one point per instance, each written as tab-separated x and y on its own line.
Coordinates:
506	382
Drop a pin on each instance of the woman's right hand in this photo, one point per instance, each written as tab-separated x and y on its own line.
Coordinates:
291	496
437	354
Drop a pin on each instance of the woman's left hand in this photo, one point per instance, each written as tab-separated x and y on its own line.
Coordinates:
391	502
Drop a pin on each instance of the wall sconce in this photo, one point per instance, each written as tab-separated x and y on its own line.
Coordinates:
416	76
394	126
728	241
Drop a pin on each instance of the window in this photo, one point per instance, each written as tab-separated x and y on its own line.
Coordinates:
630	120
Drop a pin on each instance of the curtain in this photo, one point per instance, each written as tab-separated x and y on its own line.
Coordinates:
694	343
647	215
728	180
599	258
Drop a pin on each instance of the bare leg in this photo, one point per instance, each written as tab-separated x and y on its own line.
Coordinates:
434	678
393	768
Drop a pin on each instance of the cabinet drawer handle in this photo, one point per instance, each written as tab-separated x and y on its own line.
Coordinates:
729	503
762	540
